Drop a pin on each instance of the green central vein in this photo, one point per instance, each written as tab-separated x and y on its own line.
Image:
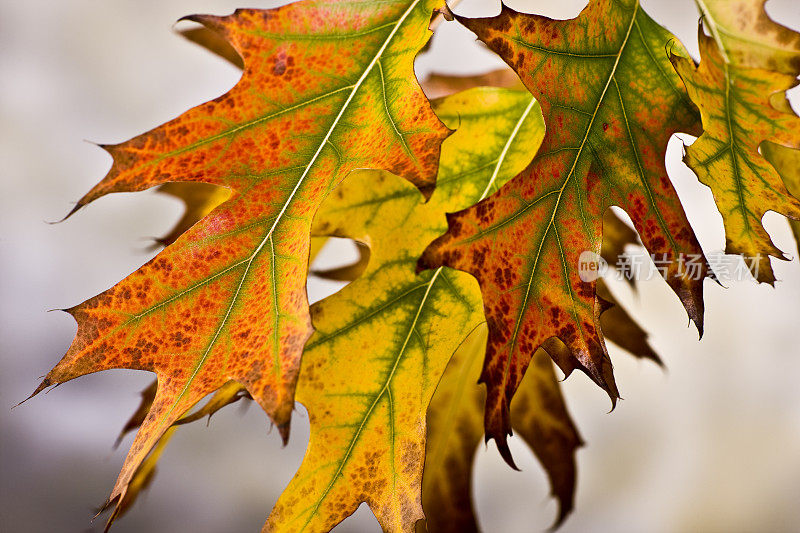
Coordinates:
397	131
551	222
732	146
526	44
360	320
275	309
384	389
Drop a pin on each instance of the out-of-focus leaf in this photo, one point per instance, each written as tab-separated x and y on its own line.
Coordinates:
214	43
347	272
455	428
787	163
439	85
617	236
199	199
620	328
138	416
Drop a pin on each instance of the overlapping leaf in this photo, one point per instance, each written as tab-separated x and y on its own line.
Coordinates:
738	115
747	37
611	100
327	87
383	341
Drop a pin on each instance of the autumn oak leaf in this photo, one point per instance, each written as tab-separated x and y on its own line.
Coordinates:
382	343
611	100
736	104
747	37
327	87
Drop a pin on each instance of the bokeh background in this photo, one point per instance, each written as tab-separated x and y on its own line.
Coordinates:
711	444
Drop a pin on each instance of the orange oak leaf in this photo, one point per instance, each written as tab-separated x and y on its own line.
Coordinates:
326	88
611	101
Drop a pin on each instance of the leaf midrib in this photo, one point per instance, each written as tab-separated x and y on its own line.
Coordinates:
248	262
551	222
386	387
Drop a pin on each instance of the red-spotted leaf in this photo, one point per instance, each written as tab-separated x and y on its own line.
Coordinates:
611	101
327	87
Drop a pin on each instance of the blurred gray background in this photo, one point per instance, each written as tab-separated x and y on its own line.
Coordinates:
713	444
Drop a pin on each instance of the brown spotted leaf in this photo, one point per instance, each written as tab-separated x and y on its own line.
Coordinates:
736	104
611	101
747	37
327	87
